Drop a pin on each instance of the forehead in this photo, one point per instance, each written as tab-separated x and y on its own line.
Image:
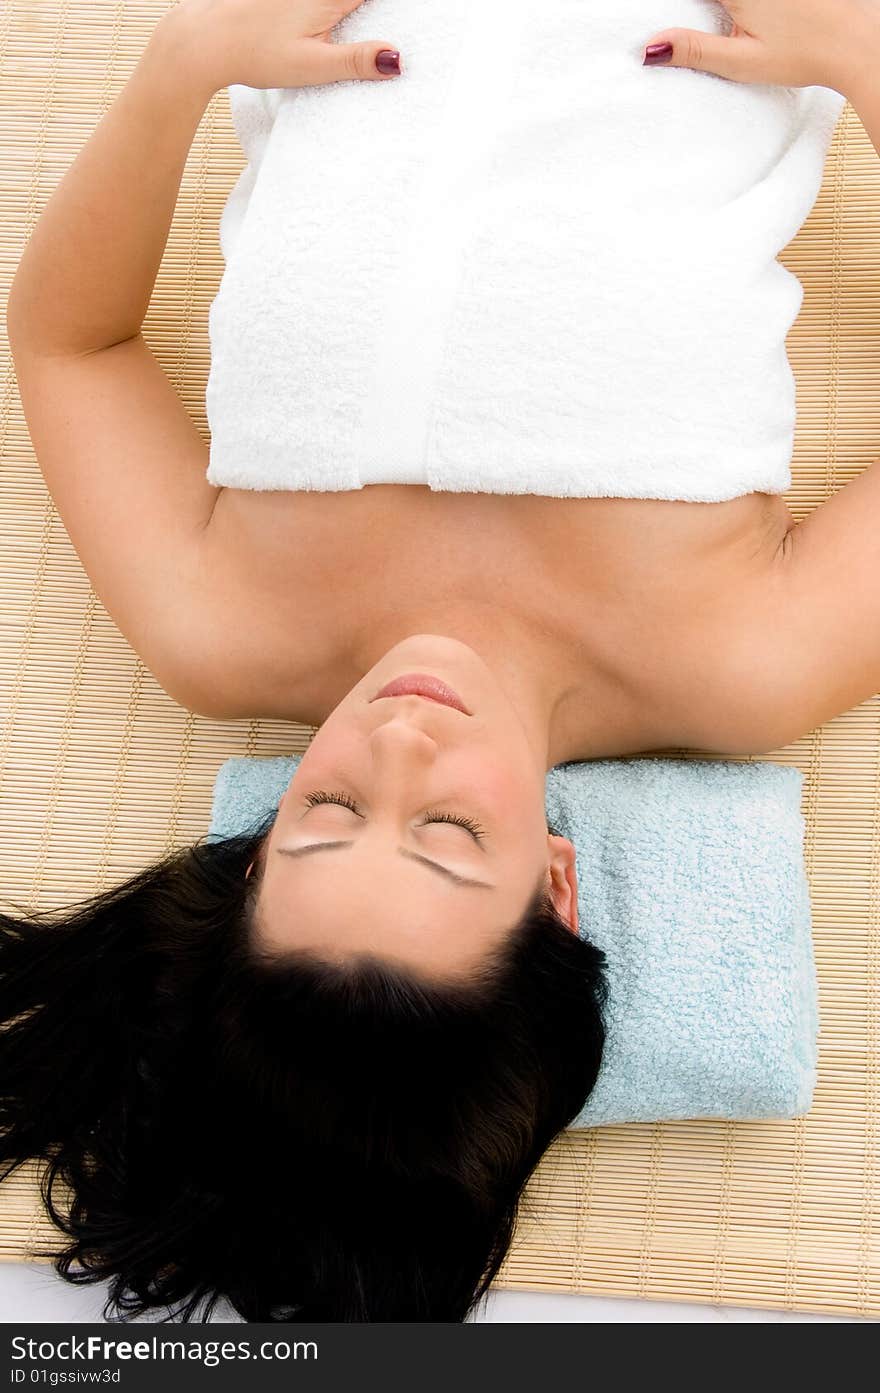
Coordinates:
337	901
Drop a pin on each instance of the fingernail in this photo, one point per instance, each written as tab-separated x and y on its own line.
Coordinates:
388	61
657	53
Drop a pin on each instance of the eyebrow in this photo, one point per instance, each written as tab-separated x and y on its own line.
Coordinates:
410	855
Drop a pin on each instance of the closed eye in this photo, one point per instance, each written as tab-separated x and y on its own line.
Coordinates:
345	800
458	820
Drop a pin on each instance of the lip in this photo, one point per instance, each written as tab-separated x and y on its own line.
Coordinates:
424	685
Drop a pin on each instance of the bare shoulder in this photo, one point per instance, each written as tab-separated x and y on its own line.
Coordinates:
259	644
827	657
755	701
802	644
727	686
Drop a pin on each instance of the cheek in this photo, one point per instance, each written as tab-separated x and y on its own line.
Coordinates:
506	783
334	747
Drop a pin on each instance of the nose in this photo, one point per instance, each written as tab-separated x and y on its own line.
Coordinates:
401	743
403	752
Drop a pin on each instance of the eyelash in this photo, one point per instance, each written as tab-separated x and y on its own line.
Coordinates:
320	796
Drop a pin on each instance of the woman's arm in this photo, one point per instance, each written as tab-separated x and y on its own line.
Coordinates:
87	274
815	650
820	650
121	457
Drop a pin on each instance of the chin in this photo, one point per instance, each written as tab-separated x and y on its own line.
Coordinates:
438	646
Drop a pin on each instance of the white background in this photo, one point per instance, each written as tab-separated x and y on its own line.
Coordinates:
33	1292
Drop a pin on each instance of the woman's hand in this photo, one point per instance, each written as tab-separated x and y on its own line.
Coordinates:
272	43
792	43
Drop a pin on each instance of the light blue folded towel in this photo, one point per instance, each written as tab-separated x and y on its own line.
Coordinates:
692	880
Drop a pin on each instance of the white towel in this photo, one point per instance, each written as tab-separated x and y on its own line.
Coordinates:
528	265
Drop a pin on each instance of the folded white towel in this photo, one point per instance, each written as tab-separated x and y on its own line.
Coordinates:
528	265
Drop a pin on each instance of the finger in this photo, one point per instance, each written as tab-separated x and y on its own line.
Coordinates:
321	62
734	58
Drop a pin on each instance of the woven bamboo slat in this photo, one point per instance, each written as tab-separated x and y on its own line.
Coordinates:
101	773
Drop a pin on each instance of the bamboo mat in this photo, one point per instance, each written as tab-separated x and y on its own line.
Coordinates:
101	773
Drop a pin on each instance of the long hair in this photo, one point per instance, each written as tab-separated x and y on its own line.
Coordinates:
309	1141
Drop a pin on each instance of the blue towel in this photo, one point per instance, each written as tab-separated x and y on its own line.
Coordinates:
692	880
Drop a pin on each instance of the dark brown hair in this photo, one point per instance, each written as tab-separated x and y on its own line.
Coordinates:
311	1141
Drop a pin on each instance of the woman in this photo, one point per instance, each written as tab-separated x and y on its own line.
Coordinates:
384	990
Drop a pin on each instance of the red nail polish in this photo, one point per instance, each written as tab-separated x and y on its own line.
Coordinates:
388	61
657	53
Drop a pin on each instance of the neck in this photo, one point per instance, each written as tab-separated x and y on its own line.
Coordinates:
529	665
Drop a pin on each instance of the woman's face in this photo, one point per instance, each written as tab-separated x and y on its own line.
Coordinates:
411	829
